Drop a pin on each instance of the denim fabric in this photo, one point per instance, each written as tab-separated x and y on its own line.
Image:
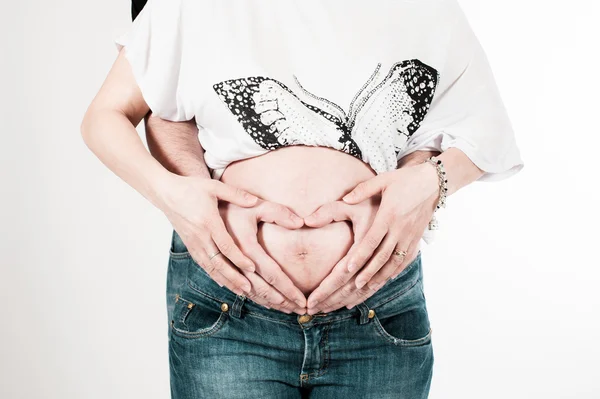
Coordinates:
244	350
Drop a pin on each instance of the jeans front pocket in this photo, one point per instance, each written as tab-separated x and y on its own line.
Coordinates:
196	316
404	321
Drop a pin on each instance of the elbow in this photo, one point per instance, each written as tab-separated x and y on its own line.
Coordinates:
90	125
85	128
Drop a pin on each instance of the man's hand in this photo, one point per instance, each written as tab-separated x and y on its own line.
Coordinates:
242	223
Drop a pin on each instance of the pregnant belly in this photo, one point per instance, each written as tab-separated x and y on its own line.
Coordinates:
302	178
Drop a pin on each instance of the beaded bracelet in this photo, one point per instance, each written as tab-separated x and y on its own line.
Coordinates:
439	166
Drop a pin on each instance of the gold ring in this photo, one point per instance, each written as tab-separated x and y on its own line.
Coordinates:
400	253
213	255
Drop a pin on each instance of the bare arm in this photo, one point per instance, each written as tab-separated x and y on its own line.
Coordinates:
176	146
108	129
182	189
402	222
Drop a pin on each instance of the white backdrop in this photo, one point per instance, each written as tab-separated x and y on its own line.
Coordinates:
512	281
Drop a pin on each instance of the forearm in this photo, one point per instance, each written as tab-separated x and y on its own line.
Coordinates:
175	145
460	171
111	136
415	158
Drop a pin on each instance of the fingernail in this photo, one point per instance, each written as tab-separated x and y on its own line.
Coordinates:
247	288
374	286
347	196
360	283
352	267
312	311
349	306
312	302
300	302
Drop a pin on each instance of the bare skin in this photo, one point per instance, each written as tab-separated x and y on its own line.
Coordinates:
190	199
190	202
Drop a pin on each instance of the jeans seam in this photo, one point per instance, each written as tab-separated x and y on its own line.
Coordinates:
199	291
180	255
210	331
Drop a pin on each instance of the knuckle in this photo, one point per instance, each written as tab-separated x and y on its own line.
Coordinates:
262	293
327	303
271	279
206	223
397	261
367	276
339	280
283	304
371	241
209	268
383	256
346	292
217	263
241	193
282	210
362	292
225	247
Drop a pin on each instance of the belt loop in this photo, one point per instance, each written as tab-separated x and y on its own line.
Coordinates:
236	309
364	313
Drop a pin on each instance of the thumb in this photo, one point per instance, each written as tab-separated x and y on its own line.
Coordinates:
366	189
278	214
333	211
233	195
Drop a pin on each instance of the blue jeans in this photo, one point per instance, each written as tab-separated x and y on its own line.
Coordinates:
223	345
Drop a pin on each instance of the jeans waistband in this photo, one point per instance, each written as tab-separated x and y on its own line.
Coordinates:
199	280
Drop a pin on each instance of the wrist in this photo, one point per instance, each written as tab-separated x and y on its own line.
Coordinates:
429	179
163	185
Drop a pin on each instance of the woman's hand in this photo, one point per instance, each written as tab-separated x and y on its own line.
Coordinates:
191	205
242	223
408	199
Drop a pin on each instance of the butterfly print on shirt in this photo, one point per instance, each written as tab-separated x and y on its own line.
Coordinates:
380	119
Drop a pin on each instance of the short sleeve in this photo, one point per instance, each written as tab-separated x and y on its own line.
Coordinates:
153	46
467	111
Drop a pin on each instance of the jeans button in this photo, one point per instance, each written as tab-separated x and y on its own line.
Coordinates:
305	318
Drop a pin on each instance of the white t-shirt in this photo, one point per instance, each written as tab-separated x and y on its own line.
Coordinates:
375	79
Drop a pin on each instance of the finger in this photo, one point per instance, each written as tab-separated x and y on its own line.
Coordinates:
232	194
335	211
337	278
221	264
272	274
370	241
358	295
267	296
367	189
412	252
382	255
394	266
202	260
336	300
281	215
228	247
